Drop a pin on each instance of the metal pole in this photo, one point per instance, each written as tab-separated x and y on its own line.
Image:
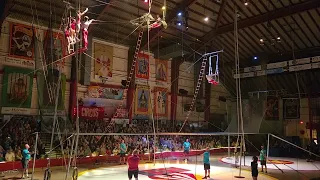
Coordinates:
268	146
148	147
229	145
34	155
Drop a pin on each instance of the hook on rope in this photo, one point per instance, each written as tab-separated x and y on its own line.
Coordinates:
75	173
47	174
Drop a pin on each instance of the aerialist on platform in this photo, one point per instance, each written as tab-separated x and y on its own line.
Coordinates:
79	15
85	27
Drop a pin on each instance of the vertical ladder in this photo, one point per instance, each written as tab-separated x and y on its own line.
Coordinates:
110	126
200	79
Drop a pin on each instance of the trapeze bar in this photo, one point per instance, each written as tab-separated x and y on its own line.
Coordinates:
211	53
164	134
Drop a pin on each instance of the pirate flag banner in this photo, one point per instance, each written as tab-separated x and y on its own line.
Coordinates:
21	41
17	87
103	55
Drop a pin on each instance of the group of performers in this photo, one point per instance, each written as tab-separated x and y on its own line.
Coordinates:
72	27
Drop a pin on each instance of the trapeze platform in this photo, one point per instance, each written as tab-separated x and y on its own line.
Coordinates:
280	163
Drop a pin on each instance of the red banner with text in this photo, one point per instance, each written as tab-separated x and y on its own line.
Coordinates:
93	113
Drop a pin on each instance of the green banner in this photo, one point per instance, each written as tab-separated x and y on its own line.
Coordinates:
17	87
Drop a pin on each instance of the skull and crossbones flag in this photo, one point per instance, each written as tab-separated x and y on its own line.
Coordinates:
21	41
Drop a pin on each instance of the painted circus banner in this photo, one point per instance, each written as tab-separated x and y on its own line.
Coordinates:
291	108
103	55
21	41
105	93
272	108
50	89
161	102
161	70
142	66
17	87
53	44
142	100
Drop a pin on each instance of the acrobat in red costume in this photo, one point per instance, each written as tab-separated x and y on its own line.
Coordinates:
213	78
85	27
79	15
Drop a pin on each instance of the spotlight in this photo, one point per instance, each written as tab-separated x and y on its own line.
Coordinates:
261	40
145	1
179	24
163	8
301	122
206	19
246	3
278	39
255	57
180	13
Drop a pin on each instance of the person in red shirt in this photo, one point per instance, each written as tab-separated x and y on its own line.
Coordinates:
133	163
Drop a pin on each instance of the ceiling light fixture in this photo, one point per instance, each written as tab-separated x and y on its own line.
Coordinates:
180	13
246	3
206	19
163	8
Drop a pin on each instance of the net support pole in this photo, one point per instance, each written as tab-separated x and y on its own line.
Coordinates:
34	155
148	147
229	146
268	146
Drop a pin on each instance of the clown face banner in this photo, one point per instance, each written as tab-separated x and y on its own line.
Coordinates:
21	41
103	55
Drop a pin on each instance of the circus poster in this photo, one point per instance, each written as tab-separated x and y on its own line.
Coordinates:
105	93
21	41
161	102
272	108
17	87
50	90
161	70
103	62
54	52
142	66
291	108
142	100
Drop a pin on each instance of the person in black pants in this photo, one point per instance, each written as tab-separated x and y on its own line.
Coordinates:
254	168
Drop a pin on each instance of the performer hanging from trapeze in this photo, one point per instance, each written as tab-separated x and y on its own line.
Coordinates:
213	78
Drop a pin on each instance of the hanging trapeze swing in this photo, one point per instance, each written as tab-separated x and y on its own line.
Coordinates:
213	78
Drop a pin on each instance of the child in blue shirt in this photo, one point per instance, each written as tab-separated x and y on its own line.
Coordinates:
206	163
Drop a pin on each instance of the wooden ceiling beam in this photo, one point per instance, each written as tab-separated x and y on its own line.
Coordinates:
5	6
276	14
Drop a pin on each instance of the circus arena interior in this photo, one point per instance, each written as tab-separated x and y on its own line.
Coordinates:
159	89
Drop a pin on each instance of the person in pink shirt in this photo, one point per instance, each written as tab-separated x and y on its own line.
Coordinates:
133	163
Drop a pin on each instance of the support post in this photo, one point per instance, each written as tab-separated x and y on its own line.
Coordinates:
268	146
34	155
229	153
148	148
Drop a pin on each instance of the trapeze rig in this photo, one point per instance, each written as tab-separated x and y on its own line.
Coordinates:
213	78
147	21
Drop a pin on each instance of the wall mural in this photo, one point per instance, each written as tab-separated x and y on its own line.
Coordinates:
105	93
161	70
142	66
21	41
103	55
17	87
142	100
161	102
